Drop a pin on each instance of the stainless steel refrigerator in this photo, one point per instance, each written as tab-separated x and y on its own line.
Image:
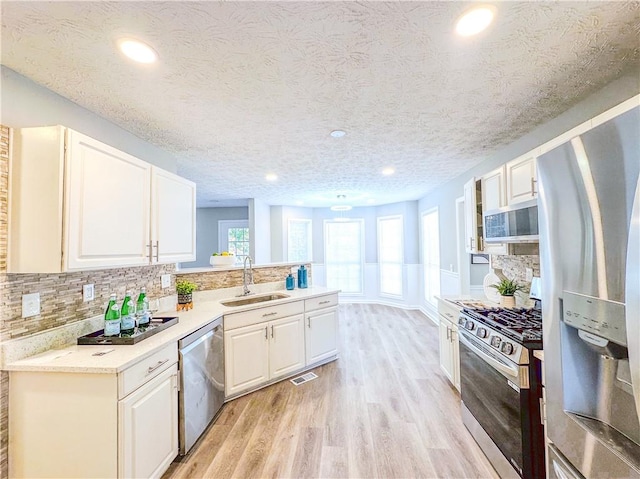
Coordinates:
589	213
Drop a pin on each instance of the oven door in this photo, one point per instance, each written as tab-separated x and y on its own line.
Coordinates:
490	388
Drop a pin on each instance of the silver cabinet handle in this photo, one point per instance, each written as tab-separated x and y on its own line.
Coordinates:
271	331
309	321
157	251
266	332
533	186
269	314
448	333
153	368
324	302
449	314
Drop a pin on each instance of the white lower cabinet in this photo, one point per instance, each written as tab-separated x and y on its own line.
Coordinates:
95	425
449	345
449	353
321	337
261	352
246	358
272	342
148	427
286	346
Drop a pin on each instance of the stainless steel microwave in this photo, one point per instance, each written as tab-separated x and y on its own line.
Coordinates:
512	224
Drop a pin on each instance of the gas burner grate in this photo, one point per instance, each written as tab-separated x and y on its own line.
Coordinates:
520	324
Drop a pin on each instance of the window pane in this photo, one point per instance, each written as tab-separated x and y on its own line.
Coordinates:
299	240
390	255
343	255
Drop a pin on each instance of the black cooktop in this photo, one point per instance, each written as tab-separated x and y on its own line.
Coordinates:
523	325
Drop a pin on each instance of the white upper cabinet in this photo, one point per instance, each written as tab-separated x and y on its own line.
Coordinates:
78	204
472	217
173	217
521	179
108	206
494	190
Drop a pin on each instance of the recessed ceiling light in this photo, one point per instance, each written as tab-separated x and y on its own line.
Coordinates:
338	133
474	21
137	50
340	208
388	171
271	177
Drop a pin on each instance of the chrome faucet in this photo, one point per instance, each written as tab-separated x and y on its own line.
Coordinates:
247	275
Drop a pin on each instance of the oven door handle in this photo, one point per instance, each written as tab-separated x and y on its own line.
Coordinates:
493	362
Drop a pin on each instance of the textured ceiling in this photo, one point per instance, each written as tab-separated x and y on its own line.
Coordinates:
243	89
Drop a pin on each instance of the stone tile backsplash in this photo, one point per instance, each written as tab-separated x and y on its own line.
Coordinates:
229	278
515	267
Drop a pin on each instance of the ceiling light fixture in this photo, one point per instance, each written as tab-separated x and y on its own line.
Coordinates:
340	208
271	177
388	171
137	50
338	133
475	20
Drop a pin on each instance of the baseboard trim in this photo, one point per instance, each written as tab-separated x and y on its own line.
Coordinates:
434	319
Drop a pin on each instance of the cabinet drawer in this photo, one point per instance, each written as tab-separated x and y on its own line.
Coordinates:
450	313
320	302
268	313
132	378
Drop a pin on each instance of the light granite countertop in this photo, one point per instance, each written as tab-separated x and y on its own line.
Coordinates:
207	308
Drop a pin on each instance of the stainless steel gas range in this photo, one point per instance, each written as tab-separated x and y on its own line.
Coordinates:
501	387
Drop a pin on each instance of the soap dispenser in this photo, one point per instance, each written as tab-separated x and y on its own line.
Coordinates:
290	282
302	277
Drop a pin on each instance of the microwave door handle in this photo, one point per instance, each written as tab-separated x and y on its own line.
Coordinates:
511	371
632	296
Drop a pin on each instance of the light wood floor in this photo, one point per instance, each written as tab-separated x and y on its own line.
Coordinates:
383	410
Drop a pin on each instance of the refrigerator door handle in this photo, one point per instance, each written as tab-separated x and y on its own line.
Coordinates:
632	298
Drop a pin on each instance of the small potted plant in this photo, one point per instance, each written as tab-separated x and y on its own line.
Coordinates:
185	291
507	289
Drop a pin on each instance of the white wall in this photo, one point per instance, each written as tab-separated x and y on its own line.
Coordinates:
25	103
260	231
207	231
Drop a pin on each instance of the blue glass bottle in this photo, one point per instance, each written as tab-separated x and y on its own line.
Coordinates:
291	284
302	277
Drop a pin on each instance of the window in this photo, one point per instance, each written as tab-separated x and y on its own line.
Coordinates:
431	255
344	259
233	236
390	254
299	240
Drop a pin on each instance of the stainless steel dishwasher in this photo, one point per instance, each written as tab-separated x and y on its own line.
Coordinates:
201	363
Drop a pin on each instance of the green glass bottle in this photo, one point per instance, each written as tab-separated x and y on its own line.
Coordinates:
127	315
143	315
112	318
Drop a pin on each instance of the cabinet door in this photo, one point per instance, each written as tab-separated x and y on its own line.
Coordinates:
455	356
246	358
493	190
321	335
446	351
521	180
108	206
286	349
471	237
173	217
148	427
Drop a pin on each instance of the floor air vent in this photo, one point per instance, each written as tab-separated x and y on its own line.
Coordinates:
303	379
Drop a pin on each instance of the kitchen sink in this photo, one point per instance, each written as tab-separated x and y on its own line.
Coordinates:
253	299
